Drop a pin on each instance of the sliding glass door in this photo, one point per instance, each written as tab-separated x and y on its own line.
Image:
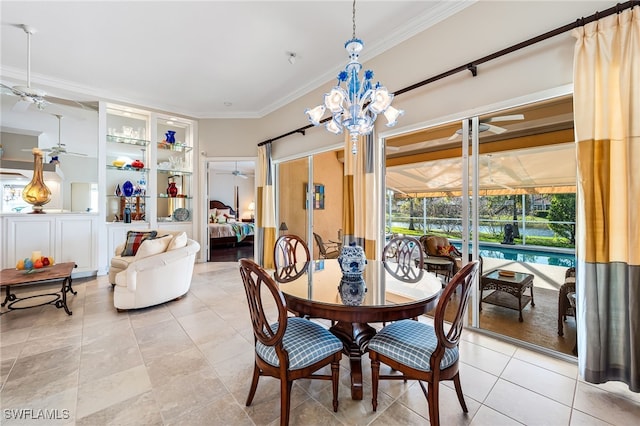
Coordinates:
501	184
310	201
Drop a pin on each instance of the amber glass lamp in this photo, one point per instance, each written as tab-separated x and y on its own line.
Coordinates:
36	192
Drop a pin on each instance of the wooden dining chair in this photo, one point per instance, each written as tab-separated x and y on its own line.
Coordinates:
287	348
405	250
423	352
290	249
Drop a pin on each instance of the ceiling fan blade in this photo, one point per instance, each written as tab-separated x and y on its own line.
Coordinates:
21	106
92	106
514	117
495	129
455	136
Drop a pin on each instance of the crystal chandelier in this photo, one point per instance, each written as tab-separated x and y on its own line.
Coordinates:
356	106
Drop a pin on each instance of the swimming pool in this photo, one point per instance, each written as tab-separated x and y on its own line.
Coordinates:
527	255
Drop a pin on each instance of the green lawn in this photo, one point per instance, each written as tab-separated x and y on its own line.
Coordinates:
491	238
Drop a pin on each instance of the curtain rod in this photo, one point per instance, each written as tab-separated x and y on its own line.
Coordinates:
473	65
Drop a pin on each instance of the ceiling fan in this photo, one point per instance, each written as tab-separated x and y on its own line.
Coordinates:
484	126
61	148
235	172
34	96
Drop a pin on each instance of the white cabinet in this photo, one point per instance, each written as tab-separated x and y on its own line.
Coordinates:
68	237
131	134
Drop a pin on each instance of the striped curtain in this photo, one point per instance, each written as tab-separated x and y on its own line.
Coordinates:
360	192
607	123
265	233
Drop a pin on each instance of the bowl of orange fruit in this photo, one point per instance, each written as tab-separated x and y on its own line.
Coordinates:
31	265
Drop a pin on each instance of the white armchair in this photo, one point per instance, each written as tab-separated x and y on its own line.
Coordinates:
160	271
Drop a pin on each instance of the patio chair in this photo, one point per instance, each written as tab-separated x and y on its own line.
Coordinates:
327	250
564	307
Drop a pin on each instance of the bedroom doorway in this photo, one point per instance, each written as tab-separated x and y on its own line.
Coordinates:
230	217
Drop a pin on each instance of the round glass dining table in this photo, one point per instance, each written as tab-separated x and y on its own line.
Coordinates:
386	291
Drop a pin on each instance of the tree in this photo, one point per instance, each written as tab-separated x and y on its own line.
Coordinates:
563	209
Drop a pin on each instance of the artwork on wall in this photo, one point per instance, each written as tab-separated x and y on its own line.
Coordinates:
317	197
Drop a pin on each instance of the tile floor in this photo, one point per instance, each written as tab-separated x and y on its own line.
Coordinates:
189	362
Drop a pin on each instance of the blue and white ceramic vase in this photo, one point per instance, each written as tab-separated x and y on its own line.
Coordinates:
352	289
352	259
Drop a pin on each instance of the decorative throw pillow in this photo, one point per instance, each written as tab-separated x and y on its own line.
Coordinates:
134	239
221	219
151	246
443	250
178	241
226	212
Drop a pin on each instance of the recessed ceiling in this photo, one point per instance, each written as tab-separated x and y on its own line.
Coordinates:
203	59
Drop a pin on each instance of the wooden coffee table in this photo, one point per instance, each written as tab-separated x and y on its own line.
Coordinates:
512	285
12	277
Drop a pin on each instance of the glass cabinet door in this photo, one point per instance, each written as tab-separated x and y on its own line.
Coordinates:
174	157
127	163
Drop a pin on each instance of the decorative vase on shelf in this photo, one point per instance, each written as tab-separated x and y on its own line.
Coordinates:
172	189
118	191
36	192
170	136
127	189
352	259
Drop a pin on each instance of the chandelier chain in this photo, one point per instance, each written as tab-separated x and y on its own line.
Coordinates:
354	19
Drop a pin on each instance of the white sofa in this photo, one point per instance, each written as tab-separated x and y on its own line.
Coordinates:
160	271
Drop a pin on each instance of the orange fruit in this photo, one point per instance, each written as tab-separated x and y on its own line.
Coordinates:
38	264
20	265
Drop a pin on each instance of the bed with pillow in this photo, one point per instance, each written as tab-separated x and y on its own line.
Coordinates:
224	227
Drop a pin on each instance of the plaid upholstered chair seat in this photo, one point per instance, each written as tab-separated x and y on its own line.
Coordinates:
411	343
305	341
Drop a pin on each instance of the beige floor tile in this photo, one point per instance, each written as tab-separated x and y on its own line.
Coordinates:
233	346
162	339
578	418
482	358
222	411
114	352
475	383
617	388
450	410
202	326
605	405
489	417
107	391
566	368
398	414
183	393
139	410
488	342
537	379
526	406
